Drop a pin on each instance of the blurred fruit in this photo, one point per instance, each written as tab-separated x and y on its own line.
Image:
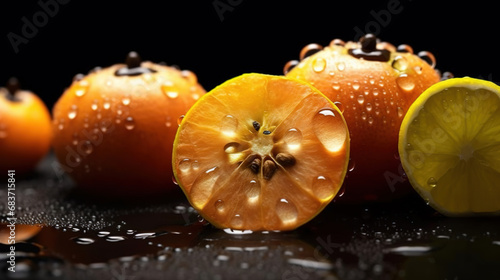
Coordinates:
450	146
114	128
261	152
373	83
25	131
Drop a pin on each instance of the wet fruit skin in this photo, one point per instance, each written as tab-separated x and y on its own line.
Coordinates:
374	83
114	128
25	130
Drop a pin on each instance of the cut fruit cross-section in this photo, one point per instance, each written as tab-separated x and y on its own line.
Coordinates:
261	152
449	145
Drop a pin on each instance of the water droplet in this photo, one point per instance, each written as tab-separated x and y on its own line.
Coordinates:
143	235
236	222
129	123
86	147
341	66
355	86
339	106
94	105
401	112
361	99
286	211
293	138
185	165
432	182
351	165
330	129
83	240
168	122
229	125
189	76
179	120
219	206
231	148
3	131
309	50
368	107
428	57
370	120
202	188
81	87
323	188
115	238
404	48
106	105
400	63
253	191
72	112
126	100
319	64
289	66
405	82
336	85
169	90
337	42
103	233
411	251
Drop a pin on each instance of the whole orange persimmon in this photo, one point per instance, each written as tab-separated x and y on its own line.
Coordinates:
25	129
114	128
373	83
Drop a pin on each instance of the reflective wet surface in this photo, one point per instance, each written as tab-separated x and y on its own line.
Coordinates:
66	236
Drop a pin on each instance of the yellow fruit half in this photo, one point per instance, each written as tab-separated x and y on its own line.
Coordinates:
261	152
449	144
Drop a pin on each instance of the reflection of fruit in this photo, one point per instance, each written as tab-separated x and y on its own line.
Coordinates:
21	232
261	152
25	131
450	146
374	84
114	128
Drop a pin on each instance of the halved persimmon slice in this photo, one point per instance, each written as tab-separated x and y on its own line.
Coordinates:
261	152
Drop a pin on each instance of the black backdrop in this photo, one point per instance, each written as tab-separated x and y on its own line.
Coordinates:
220	39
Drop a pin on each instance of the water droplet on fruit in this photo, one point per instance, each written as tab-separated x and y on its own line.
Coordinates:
401	112
428	57
3	131
72	112
236	222
293	138
219	206
253	191
340	66
361	99
106	105
81	87
309	50
86	147
405	82
368	107
339	106
351	165
370	120
229	125
337	42
330	129
404	48
432	182
83	240
323	188
202	188
169	90
355	86
129	123
286	211
231	148
319	64
289	66
126	100
400	63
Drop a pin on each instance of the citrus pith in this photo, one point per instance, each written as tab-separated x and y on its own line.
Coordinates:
450	146
261	152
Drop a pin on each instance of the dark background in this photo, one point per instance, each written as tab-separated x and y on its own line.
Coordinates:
253	35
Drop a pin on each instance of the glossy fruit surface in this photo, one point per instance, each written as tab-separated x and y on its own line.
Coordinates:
114	128
25	130
450	147
373	83
261	152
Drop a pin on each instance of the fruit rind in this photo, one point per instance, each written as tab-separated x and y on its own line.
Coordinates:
466	82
